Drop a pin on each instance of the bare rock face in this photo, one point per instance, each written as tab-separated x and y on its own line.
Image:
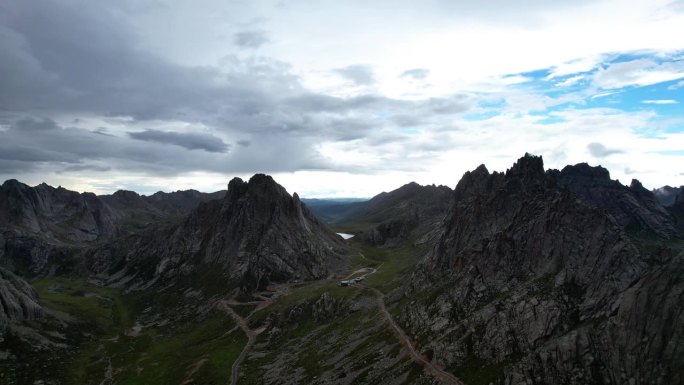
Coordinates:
530	282
18	300
257	234
631	206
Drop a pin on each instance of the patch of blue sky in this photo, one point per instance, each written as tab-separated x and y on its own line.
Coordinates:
484	115
623	57
674	128
536	74
384	114
492	103
410	131
655	97
671	152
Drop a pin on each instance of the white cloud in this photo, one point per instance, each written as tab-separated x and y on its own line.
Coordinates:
639	72
676	86
580	65
570	81
660	101
604	94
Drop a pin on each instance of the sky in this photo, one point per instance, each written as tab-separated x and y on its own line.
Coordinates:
336	98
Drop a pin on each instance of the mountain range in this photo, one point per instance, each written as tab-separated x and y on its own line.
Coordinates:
529	276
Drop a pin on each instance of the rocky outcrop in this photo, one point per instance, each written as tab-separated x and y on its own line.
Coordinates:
257	234
529	284
633	207
18	300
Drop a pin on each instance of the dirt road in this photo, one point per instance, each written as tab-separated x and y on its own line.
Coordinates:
429	367
251	337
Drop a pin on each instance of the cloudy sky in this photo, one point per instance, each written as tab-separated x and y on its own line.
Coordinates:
336	98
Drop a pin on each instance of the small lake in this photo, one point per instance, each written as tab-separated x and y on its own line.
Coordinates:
345	235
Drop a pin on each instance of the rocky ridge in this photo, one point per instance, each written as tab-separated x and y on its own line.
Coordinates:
532	281
42	224
633	207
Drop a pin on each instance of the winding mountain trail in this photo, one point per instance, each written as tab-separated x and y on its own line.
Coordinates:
429	367
251	334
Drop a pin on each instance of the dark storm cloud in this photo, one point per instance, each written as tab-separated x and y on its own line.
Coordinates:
84	167
74	149
83	59
250	39
190	141
32	124
416	73
358	74
598	150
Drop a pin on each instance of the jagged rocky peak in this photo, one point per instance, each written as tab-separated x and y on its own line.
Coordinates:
260	186
529	167
262	195
636	185
533	281
506	230
633	207
473	180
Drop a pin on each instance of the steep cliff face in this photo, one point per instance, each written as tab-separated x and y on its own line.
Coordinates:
633	207
18	300
257	234
533	281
